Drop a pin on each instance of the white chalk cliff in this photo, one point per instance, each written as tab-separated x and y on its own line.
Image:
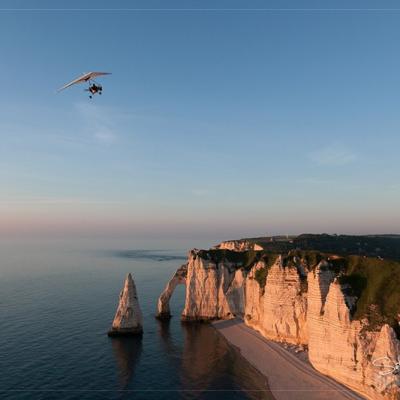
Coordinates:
128	319
238	245
290	302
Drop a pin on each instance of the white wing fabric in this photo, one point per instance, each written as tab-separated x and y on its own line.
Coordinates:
83	78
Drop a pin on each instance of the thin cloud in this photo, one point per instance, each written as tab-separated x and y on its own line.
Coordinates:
100	122
200	192
314	181
334	155
394	187
105	136
55	201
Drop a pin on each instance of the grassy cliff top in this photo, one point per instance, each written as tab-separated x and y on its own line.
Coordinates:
386	246
241	259
373	280
376	284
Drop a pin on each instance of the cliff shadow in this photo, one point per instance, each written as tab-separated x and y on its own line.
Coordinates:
212	368
127	352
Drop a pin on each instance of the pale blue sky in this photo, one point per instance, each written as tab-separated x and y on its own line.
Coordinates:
223	123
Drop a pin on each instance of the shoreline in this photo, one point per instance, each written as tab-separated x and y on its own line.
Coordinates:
289	375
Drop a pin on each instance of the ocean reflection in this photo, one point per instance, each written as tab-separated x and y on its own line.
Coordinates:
167	341
127	352
211	368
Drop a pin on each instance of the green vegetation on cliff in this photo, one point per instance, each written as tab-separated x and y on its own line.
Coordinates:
376	285
261	276
373	280
241	259
386	246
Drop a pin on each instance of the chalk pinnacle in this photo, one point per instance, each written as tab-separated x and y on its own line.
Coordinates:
128	319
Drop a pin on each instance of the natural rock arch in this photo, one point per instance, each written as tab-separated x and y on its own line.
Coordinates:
163	310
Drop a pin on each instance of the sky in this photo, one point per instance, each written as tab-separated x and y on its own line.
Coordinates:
221	119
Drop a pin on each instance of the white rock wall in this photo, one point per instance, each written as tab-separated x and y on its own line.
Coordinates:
314	313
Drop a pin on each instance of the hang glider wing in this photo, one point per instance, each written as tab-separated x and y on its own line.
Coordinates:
83	78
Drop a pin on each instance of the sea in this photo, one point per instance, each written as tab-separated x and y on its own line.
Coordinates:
57	301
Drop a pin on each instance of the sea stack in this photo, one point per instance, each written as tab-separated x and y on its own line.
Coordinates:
128	318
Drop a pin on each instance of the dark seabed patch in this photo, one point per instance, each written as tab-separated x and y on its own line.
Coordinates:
154	255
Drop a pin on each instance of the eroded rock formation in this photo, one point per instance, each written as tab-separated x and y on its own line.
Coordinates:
293	300
278	310
128	318
344	349
163	311
213	290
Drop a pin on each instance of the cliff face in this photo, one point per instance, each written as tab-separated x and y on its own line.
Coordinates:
213	290
342	348
293	301
238	245
278	310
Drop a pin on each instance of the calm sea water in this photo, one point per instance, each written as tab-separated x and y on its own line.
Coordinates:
57	302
